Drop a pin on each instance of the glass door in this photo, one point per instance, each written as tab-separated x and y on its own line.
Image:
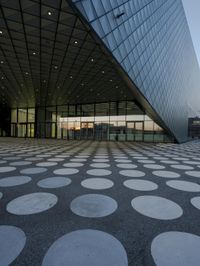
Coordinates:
13	130
130	131
30	130
87	130
21	130
139	131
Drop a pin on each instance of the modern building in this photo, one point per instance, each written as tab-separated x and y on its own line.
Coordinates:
194	127
89	69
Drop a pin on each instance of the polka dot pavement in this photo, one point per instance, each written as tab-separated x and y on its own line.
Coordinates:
99	203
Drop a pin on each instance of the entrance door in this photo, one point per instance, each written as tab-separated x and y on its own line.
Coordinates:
87	130
30	130
21	130
134	131
130	131
50	130
139	131
13	130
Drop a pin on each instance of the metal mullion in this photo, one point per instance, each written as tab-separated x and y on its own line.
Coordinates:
53	52
25	37
67	48
12	47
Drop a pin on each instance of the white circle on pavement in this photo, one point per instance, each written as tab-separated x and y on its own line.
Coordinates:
123	161
93	205
14	181
78	160
99	172
2	161
169	162
97	183
33	171
46	164
184	185
126	165
154	166
192	162
146	161
100	165
7	169
32	203
140	185
193	173
20	163
54	182
13	241
132	173
166	174
66	171
12	158
196	202
157	207
182	167
33	159
100	160
86	248
176	248
55	159
73	165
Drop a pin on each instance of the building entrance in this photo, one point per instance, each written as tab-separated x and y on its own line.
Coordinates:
87	130
134	131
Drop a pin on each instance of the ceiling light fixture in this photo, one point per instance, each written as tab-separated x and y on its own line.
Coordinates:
102	71
92	60
34	53
1	32
70	77
49	13
2	62
75	42
56	67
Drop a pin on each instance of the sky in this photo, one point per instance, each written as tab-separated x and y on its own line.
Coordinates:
192	10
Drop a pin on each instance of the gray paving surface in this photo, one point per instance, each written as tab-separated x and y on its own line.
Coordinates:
128	228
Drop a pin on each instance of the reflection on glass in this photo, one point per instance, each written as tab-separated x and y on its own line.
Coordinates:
101	121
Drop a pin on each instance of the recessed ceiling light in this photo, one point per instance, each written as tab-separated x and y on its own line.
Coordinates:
26	73
56	67
102	71
2	62
49	13
34	53
70	77
1	32
76	42
92	60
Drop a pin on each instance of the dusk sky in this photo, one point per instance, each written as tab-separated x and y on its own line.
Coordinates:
192	10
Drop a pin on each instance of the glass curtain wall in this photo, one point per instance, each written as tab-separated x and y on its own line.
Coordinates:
116	121
23	122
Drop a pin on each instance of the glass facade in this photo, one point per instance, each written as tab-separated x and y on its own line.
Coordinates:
151	43
117	121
